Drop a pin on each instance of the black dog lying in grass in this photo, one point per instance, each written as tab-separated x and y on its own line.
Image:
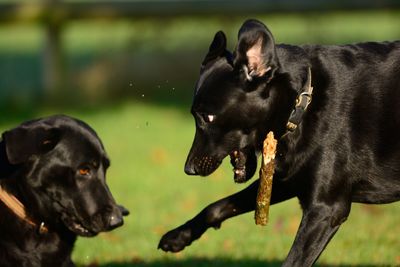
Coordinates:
342	148
52	189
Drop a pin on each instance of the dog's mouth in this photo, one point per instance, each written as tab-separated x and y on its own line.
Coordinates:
72	222
77	227
244	164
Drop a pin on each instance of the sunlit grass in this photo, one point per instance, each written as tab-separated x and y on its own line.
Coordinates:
189	33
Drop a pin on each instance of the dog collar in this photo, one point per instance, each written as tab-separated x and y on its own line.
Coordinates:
18	209
302	101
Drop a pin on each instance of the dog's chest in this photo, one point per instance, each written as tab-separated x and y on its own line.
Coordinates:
31	249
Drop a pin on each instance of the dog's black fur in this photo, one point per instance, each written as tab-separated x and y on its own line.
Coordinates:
56	167
346	149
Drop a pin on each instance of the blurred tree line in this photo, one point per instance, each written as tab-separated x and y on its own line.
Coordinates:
89	52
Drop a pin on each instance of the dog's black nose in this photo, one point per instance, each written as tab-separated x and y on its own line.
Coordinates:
123	210
189	169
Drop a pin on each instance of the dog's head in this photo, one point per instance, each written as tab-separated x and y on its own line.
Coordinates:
235	102
62	165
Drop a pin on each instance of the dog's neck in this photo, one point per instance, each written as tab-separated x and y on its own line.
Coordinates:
17	236
303	99
18	209
10	199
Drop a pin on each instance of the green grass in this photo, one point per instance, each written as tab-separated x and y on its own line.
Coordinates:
148	145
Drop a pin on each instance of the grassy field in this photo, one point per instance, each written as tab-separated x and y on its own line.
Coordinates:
152	65
148	145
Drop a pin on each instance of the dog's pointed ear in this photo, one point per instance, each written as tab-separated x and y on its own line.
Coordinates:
217	48
29	139
255	51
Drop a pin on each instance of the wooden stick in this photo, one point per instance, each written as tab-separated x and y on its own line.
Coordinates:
266	174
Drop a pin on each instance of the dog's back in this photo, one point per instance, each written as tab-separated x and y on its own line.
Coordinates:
354	119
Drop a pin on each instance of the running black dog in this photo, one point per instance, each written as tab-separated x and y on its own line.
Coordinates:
52	189
344	147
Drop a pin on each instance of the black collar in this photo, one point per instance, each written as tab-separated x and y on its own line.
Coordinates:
302	101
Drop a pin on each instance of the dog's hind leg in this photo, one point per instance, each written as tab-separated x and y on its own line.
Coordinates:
319	224
214	214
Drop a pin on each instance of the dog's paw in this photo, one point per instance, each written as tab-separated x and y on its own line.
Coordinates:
176	240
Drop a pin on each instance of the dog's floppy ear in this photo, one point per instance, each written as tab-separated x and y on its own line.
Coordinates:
29	139
217	48
5	167
255	51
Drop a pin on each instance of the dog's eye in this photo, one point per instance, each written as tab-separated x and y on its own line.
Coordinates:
84	171
208	118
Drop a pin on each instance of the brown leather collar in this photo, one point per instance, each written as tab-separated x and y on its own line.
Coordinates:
18	208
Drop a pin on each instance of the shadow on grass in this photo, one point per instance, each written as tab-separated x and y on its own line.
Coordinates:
203	262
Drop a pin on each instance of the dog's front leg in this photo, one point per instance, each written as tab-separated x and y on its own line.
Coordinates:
214	214
319	223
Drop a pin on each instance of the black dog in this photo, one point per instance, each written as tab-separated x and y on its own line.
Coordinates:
343	148
52	189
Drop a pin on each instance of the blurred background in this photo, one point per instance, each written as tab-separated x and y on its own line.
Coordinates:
128	68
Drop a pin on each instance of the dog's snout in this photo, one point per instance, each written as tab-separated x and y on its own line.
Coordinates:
115	220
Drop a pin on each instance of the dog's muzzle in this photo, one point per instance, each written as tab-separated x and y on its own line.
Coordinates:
202	166
99	222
